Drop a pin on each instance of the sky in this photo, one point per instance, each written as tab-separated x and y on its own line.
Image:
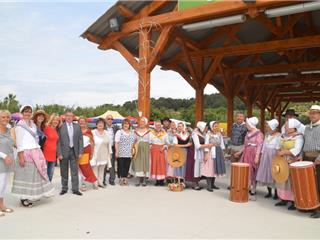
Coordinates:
44	61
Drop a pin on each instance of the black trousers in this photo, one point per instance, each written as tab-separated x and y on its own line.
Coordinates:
123	166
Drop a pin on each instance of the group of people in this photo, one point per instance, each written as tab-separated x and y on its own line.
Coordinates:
40	142
294	142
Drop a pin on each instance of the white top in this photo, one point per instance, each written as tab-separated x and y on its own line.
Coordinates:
271	142
214	138
25	140
102	149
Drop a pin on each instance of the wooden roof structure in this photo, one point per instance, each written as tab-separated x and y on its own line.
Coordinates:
268	62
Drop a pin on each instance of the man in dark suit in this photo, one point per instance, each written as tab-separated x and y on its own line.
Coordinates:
70	149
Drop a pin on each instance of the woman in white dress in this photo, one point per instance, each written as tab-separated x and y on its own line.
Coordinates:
102	151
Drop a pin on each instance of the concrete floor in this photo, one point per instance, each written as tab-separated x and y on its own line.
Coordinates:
154	212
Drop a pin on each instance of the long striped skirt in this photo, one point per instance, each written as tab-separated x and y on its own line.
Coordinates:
158	162
29	182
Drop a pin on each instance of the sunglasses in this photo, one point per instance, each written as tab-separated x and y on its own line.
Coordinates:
109	118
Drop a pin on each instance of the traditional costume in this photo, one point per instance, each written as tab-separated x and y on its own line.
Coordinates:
198	137
30	182
252	148
84	161
158	156
294	144
141	163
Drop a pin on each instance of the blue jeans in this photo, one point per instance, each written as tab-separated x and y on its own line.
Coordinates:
50	169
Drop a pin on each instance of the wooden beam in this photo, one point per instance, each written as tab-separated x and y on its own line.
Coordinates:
186	76
261	47
189	62
182	17
282	81
150	9
162	42
126	54
124	11
200	13
211	70
277	68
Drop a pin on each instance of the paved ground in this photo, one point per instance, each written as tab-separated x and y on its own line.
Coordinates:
154	212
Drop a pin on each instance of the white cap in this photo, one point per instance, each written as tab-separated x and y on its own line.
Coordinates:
212	123
315	107
252	122
294	123
273	124
201	126
24	106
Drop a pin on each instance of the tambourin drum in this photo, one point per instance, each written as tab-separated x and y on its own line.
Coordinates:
239	186
304	185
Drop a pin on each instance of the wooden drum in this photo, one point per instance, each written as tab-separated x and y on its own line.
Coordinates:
304	185
239	187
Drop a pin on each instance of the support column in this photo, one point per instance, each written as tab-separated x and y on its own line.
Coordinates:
249	109
144	74
262	118
230	108
279	113
199	105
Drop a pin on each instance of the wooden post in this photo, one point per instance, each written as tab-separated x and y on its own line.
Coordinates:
262	118
144	74
230	108
279	113
199	105
249	109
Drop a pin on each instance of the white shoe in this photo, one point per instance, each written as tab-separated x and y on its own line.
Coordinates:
2	214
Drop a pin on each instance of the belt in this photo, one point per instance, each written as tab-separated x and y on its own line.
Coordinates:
312	154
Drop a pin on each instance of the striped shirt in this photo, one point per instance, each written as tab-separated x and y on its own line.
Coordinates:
312	138
238	134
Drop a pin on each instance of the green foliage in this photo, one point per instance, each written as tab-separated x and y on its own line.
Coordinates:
214	108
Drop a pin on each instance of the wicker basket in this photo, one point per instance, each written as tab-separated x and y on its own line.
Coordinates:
176	186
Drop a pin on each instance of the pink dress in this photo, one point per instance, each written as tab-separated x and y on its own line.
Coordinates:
252	147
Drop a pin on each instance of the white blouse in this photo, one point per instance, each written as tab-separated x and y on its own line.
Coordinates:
102	149
218	137
25	140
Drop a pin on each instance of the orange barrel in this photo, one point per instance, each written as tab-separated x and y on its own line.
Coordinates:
239	187
304	185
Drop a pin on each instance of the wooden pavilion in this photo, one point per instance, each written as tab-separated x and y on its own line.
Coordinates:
269	58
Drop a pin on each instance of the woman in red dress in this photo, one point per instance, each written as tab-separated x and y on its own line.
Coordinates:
51	143
84	161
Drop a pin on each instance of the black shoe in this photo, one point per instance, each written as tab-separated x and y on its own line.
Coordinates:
112	183
229	188
292	207
275	197
281	203
157	183
269	195
209	189
63	192
315	214
215	187
77	193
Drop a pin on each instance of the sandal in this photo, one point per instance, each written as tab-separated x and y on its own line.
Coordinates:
7	210
2	214
26	203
